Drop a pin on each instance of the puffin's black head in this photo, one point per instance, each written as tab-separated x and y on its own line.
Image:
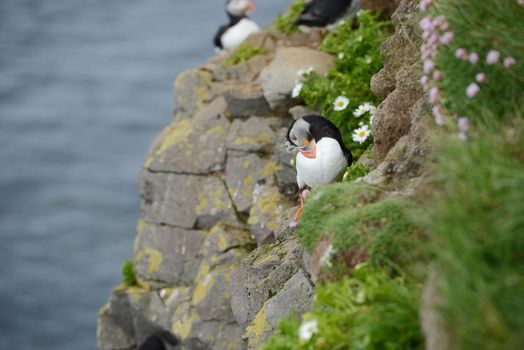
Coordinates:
239	8
300	136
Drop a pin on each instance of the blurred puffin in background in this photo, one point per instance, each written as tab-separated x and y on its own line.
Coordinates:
320	13
322	156
240	26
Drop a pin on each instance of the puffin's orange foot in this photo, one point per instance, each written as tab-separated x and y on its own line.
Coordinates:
294	223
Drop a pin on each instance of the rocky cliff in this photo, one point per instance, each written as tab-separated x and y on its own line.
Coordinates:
215	261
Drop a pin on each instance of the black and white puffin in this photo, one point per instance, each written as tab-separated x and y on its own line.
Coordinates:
240	26
322	156
320	13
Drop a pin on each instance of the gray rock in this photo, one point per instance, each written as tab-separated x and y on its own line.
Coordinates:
186	201
268	204
115	329
243	173
195	146
166	255
297	112
243	73
261	275
278	79
286	175
246	100
251	135
192	90
296	296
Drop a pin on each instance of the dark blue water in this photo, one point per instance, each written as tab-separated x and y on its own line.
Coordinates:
84	88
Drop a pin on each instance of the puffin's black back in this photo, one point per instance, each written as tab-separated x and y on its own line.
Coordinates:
319	13
321	127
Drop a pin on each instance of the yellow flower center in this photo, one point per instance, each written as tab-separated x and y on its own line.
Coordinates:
362	134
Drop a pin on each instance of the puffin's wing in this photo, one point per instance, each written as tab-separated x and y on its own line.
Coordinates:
218	36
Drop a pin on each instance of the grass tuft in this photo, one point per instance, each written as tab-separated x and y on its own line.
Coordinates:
128	274
242	54
284	23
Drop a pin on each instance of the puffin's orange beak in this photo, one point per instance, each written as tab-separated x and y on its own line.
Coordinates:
251	7
309	150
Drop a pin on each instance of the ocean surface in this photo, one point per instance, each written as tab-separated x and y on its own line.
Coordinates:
84	88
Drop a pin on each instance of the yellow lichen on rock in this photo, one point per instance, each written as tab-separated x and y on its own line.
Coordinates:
258	327
176	133
153	256
182	327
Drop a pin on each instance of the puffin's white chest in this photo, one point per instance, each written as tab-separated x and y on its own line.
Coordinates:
324	168
235	35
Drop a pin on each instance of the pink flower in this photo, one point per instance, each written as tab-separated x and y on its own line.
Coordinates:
428	66
520	2
433	95
509	61
444	26
438	115
472	90
437	75
447	38
463	124
480	78
461	54
492	57
425	4
462	136
426	54
425	24
473	58
433	38
424	80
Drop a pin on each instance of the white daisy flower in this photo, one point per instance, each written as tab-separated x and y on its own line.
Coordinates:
361	134
307	329
310	70
360	111
340	55
296	90
368	106
341	103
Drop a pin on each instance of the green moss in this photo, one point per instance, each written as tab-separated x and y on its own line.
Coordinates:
128	275
242	54
351	216
285	21
370	310
358	59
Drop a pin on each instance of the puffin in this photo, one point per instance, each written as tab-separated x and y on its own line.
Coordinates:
322	157
240	26
320	13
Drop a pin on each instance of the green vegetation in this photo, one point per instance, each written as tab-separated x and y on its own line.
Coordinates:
469	224
128	275
370	310
285	21
355	171
358	58
352	216
476	224
242	54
